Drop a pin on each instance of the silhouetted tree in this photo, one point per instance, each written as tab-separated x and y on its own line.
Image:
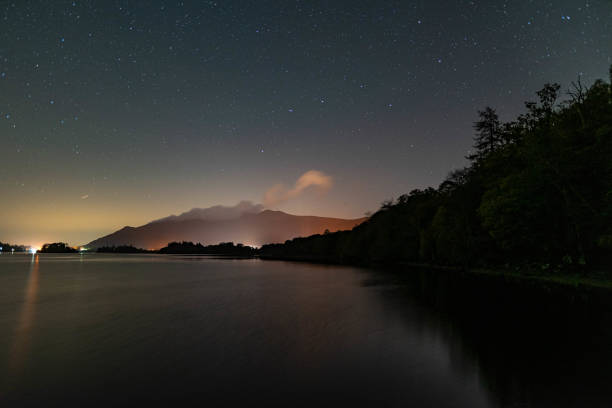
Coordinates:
539	189
223	248
488	134
6	247
122	249
57	247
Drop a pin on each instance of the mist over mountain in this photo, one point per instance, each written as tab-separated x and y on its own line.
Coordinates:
245	223
216	212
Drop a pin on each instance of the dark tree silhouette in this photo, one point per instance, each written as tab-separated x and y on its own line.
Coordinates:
6	247
57	247
122	249
224	248
538	191
488	134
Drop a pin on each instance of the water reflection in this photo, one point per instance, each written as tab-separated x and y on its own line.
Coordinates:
534	346
158	328
23	331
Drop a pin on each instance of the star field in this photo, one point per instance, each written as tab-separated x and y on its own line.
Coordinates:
115	113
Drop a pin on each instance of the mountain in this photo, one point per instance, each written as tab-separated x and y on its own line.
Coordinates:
249	228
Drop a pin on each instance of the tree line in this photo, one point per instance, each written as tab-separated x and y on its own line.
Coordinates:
6	247
186	247
537	190
57	248
223	248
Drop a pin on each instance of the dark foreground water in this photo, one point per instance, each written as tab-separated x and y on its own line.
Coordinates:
148	329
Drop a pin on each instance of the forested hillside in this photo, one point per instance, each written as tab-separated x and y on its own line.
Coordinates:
537	190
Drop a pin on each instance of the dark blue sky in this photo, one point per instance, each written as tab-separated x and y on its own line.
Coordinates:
118	112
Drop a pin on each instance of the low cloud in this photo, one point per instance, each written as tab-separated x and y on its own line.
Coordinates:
312	178
217	212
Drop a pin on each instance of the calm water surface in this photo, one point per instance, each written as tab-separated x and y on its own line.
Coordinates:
130	329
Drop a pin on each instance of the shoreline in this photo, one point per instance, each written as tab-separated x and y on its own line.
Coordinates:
599	279
595	280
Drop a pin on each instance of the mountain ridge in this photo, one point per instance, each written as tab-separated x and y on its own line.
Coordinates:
255	229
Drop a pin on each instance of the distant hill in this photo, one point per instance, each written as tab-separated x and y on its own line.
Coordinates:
249	228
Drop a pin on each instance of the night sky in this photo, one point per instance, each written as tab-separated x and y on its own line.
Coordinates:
115	113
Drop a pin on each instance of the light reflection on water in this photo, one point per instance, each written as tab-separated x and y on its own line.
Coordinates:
26	318
114	328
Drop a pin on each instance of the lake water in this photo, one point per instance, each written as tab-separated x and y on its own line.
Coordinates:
133	329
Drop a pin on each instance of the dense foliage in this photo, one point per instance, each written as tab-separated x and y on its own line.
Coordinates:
224	248
122	249
537	190
57	248
6	247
